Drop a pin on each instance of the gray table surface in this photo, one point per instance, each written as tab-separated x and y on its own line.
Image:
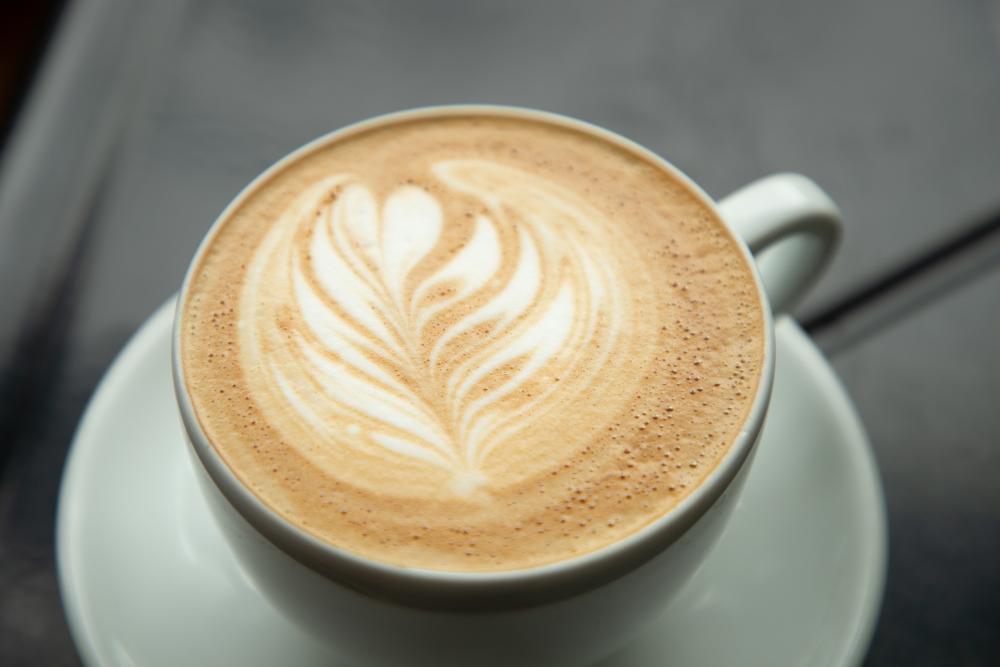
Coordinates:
146	119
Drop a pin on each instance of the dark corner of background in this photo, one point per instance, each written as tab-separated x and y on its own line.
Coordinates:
25	31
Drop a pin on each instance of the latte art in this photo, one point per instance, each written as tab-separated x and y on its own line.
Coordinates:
432	372
470	342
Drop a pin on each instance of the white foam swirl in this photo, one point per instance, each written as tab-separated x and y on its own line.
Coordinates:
364	330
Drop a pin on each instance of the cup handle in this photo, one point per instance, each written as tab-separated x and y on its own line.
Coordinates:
792	228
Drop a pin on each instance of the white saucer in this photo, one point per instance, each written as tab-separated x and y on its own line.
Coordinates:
147	579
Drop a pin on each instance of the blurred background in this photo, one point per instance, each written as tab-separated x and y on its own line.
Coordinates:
126	127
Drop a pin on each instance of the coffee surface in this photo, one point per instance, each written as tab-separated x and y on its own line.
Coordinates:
471	343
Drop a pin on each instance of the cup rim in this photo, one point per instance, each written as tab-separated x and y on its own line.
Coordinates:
490	590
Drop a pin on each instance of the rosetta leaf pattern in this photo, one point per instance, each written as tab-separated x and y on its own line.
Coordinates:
377	338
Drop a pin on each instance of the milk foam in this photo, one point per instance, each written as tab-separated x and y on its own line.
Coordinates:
338	324
471	343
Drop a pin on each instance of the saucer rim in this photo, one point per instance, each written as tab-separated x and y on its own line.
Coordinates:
873	530
862	460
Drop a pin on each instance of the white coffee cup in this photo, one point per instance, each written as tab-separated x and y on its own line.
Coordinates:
571	612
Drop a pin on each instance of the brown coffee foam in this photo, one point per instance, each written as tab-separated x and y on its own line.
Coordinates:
683	381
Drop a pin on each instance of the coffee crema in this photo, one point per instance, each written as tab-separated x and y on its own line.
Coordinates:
471	342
